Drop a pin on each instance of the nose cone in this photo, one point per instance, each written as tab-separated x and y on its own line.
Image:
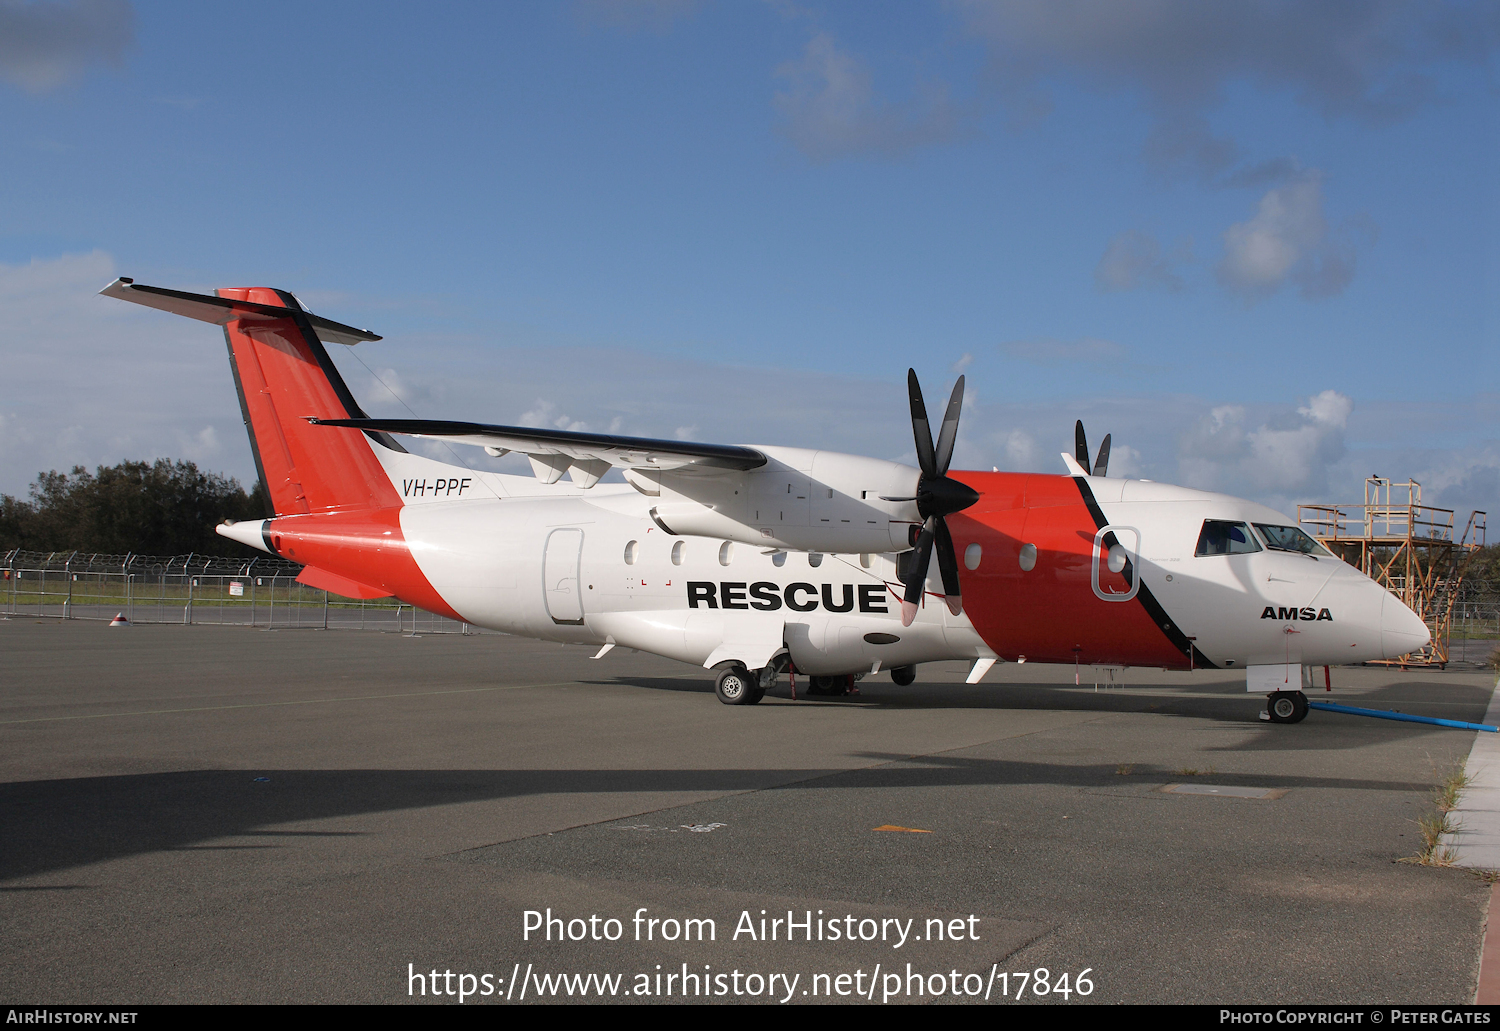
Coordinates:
1401	629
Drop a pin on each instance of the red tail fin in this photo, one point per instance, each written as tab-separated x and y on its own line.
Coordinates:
284	377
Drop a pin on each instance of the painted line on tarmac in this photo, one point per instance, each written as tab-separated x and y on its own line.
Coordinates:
302	701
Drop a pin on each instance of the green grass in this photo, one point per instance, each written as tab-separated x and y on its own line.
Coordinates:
1435	825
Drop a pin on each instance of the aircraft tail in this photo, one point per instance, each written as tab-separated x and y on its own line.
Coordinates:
284	377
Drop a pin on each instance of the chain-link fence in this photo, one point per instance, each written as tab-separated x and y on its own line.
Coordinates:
260	592
1476	609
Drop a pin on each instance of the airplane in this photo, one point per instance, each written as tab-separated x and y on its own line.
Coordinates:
759	561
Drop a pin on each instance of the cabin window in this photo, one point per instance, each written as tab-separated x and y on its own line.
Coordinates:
726	553
1289	538
677	553
814	559
1028	557
631	551
1222	537
779	559
972	555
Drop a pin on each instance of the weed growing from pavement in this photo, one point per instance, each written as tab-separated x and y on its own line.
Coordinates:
1193	771
1124	769
1436	824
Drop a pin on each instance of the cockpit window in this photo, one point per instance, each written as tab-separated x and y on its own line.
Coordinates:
1221	537
1289	538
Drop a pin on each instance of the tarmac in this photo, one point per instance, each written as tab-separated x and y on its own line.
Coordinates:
220	814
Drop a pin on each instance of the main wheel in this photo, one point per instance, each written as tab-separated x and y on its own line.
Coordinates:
904	676
755	696
1286	706
735	686
825	685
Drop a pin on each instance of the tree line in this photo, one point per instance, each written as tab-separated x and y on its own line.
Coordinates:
163	507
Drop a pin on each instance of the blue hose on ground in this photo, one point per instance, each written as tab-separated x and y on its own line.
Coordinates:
1382	714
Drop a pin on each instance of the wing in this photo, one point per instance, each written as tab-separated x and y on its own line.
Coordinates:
561	448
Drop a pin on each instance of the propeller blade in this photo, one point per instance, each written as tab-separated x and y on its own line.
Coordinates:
949	433
948	566
918	575
1080	445
919	426
1102	465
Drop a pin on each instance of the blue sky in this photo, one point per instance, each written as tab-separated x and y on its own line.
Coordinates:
1254	241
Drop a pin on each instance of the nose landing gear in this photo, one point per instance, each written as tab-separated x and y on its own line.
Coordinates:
1285	707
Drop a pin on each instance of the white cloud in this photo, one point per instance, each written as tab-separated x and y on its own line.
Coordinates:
541	416
90	380
830	108
962	364
1289	455
1288	239
1021	451
1329	408
45	44
1134	260
1124	460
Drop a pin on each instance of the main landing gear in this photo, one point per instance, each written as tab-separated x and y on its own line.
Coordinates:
1286	706
738	686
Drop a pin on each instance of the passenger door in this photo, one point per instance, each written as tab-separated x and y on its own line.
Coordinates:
560	576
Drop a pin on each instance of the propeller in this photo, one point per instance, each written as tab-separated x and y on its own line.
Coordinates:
1081	450
937	496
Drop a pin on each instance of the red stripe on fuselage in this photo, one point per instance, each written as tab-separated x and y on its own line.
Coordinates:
1049	613
364	545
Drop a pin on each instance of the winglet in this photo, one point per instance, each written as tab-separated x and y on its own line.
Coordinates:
1074	469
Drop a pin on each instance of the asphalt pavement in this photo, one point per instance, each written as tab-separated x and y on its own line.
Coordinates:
221	814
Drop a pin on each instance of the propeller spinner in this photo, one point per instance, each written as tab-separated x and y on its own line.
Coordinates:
937	496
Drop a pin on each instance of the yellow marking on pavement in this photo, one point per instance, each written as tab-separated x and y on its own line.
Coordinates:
904	830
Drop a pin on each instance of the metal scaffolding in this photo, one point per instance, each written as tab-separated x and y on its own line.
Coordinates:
1405	546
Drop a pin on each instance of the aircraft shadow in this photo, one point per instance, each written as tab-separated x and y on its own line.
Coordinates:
1219	701
50	825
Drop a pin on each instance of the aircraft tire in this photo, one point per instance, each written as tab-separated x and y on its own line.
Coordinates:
755	696
825	686
734	686
1286	706
904	676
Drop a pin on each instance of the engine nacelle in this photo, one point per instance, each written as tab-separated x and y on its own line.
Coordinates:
800	500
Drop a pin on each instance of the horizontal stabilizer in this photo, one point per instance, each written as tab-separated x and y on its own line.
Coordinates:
222	310
620	452
323	580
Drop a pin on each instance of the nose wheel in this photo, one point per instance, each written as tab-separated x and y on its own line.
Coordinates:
1286	706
